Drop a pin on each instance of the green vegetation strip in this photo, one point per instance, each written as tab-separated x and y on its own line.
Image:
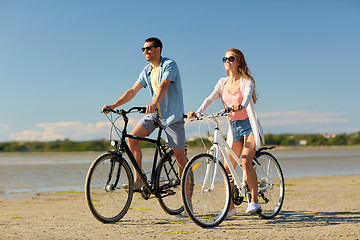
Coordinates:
104	145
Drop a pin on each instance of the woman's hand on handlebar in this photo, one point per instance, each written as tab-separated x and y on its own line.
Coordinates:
237	107
191	114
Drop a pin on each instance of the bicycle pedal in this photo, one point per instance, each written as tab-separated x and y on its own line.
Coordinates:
170	192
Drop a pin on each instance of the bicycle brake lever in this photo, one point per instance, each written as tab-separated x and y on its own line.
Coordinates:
198	115
142	110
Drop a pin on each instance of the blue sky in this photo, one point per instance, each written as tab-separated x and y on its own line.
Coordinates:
61	61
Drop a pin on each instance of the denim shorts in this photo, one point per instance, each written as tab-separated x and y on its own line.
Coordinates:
175	132
241	129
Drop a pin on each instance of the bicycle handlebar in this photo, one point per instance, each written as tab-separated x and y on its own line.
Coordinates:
124	112
224	112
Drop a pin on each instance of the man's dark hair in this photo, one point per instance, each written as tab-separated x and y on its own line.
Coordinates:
156	42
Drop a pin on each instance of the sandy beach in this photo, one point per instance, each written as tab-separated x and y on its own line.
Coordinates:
314	208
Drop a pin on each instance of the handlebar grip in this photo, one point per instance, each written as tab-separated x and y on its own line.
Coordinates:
109	109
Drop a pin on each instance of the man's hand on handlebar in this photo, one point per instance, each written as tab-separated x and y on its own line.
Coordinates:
151	108
106	109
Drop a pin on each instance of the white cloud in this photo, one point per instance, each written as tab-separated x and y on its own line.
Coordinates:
290	118
77	131
4	127
302	121
62	130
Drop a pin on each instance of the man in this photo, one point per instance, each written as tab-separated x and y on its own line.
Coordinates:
166	109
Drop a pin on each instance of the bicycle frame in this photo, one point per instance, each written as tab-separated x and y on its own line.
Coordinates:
220	145
124	148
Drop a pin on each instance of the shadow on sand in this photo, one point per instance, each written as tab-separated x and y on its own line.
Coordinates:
288	219
297	219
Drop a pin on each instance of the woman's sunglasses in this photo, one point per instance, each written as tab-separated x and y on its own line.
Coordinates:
231	59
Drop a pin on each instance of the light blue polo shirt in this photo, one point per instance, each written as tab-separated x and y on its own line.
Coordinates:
172	105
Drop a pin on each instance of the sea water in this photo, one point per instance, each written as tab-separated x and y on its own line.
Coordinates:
31	173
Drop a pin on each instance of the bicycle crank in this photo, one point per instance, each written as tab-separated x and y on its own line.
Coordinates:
235	195
145	193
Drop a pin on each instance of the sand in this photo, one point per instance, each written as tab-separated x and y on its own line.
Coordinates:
314	208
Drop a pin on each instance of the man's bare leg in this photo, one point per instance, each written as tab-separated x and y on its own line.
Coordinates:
135	147
181	159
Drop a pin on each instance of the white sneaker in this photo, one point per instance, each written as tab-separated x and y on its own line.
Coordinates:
229	214
253	208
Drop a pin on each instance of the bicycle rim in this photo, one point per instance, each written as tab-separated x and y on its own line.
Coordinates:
168	185
106	195
271	185
205	205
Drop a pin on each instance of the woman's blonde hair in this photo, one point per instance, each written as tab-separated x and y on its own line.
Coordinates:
244	70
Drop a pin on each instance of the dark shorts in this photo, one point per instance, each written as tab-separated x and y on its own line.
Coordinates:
241	129
175	132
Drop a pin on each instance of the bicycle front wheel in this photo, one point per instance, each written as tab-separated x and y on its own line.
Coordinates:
107	188
168	185
205	190
271	185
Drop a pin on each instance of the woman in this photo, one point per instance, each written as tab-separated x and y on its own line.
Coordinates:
245	134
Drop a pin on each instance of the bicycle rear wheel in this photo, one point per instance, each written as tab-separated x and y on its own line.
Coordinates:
168	185
106	197
206	203
271	185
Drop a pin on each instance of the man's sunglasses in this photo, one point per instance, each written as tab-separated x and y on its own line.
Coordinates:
148	48
231	59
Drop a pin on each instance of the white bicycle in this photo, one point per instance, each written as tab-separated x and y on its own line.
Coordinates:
207	198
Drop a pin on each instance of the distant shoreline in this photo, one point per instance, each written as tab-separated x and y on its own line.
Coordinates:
277	147
279	140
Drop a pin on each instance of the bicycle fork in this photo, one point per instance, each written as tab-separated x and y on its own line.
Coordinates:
110	187
211	167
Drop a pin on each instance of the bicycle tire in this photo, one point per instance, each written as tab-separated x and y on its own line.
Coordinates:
205	206
271	198
106	197
168	185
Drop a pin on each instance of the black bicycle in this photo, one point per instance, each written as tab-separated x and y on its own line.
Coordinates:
109	185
